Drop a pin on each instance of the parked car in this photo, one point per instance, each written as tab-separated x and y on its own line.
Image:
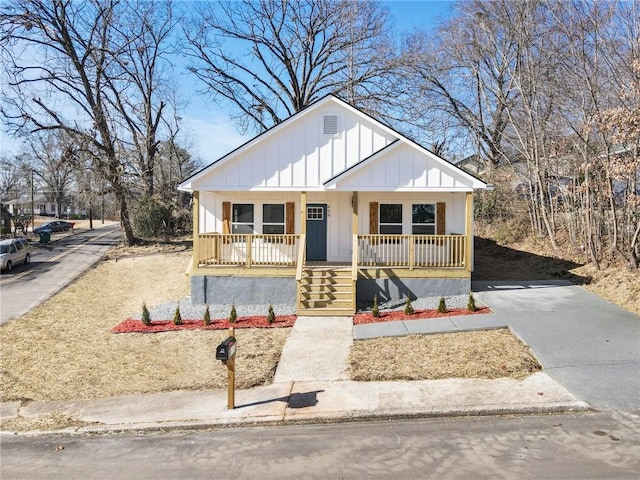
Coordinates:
14	251
55	226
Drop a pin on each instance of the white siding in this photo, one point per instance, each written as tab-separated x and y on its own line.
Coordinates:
401	168
299	156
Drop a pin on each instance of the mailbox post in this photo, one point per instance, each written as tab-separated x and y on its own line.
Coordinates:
226	352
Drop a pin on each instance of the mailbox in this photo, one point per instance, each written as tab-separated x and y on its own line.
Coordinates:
227	349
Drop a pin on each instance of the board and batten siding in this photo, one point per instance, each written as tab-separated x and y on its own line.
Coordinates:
299	156
403	168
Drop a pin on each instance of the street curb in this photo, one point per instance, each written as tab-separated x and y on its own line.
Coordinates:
352	417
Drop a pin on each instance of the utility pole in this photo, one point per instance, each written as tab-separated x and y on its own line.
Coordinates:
32	203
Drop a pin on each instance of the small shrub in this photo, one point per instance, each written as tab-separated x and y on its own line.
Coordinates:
177	318
146	317
271	317
207	316
442	306
471	303
233	316
375	311
408	308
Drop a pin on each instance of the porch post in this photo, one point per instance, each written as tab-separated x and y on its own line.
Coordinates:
468	231
303	212
196	229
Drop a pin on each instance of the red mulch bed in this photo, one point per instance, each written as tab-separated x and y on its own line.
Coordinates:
136	326
392	316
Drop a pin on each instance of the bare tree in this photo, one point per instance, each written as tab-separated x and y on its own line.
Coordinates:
142	85
460	75
288	54
53	158
92	69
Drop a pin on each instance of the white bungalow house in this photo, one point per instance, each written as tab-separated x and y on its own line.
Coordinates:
328	209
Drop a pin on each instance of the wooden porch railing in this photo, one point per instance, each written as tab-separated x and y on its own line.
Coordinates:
412	251
248	250
302	258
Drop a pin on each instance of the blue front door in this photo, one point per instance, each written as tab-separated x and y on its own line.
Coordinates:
317	232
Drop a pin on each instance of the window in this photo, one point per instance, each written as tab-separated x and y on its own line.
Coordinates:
242	218
391	218
315	213
423	219
273	218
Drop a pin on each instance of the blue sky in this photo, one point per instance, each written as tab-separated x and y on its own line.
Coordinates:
209	133
214	134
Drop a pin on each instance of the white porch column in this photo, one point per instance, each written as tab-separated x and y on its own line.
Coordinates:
196	228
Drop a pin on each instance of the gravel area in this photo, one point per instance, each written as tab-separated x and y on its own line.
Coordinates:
424	303
165	311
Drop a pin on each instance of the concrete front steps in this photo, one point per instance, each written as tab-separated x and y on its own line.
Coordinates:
326	291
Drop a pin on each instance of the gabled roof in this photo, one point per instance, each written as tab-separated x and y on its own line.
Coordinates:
341	174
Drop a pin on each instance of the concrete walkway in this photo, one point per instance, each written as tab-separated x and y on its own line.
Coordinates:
458	323
588	345
316	350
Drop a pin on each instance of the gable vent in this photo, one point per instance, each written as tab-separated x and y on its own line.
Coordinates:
330	124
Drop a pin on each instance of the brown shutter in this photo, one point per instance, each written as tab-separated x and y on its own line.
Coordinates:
373	218
290	213
289	220
226	218
440	218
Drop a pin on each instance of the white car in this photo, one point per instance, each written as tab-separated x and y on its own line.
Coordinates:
14	251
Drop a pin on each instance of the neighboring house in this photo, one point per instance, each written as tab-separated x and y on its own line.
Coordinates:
330	208
43	205
473	164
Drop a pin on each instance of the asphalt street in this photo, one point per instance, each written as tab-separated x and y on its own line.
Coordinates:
570	446
52	268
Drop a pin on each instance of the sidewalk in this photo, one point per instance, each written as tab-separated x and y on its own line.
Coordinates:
311	386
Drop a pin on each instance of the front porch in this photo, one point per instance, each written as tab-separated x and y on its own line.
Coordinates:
274	268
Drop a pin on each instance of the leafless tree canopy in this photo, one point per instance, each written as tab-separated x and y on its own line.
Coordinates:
272	58
92	69
537	85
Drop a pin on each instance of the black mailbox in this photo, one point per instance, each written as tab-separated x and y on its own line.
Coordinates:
227	349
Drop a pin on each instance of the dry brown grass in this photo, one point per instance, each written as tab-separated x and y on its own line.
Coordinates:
488	354
64	348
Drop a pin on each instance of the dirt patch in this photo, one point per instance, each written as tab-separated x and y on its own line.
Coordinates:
50	421
489	354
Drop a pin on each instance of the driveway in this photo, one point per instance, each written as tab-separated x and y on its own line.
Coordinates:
588	345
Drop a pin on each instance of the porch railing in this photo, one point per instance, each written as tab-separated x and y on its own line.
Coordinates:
412	251
403	251
248	250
